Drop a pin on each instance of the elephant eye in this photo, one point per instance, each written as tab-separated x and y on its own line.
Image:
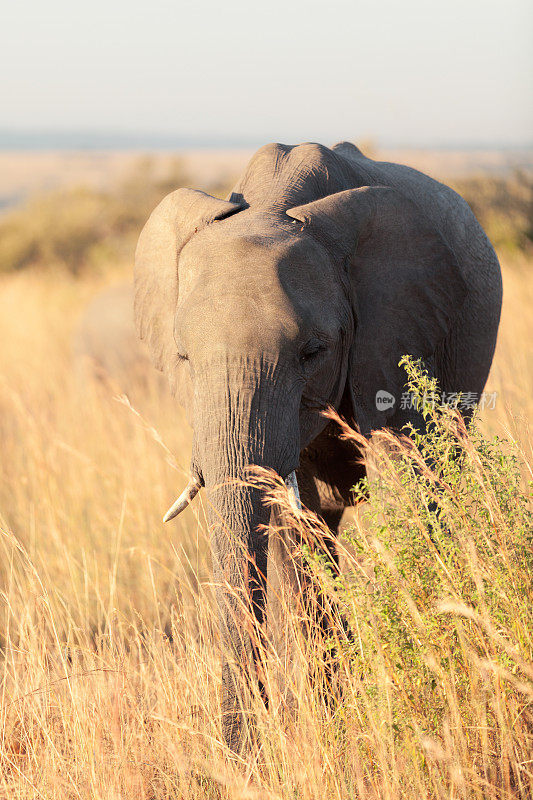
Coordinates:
311	350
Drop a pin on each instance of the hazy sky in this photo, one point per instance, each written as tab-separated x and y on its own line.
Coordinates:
402	71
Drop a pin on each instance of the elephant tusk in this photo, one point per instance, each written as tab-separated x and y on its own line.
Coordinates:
294	494
192	489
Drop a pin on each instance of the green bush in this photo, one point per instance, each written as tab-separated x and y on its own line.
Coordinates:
438	600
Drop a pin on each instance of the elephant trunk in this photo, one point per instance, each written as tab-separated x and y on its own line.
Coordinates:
241	420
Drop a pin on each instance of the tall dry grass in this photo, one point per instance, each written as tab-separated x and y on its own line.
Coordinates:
109	657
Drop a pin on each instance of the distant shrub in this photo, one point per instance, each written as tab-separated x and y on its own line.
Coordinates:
81	227
504	206
59	228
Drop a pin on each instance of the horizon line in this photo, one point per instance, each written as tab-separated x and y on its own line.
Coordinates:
46	139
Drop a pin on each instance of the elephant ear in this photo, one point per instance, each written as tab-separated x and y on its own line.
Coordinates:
404	282
175	220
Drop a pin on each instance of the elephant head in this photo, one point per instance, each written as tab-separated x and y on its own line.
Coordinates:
263	315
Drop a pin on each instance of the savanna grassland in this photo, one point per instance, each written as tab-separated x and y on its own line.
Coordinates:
109	667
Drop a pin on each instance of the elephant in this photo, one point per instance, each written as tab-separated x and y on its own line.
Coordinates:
302	291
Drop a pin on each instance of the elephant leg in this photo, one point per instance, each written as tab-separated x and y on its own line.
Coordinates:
323	613
328	471
332	518
297	613
287	585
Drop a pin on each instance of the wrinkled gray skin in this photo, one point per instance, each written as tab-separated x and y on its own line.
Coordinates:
303	291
